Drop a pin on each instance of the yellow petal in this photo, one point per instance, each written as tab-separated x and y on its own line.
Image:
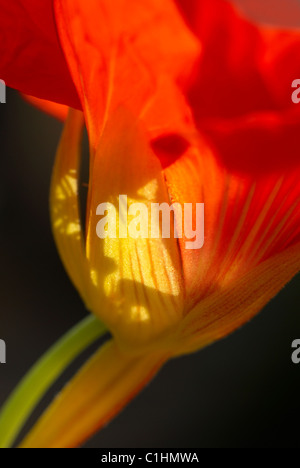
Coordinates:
64	204
97	393
136	282
232	306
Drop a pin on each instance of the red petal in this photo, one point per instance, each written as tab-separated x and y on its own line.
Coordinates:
258	143
31	59
241	93
189	10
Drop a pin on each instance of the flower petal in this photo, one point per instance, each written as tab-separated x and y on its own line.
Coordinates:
235	304
59	111
97	393
117	54
64	203
137	281
246	167
258	143
31	59
144	271
241	92
248	219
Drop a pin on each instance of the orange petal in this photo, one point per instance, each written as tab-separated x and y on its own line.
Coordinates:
59	111
168	113
236	303
97	393
116	54
248	219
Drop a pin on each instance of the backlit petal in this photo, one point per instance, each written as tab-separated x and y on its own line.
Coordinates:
246	168
235	304
117	54
64	203
241	92
138	290
247	219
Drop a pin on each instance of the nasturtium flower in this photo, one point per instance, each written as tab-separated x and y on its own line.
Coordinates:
185	102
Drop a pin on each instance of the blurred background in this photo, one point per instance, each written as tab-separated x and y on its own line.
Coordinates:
241	392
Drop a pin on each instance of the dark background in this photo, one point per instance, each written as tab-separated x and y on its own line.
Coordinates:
240	392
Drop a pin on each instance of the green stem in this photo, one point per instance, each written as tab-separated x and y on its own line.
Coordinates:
43	374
